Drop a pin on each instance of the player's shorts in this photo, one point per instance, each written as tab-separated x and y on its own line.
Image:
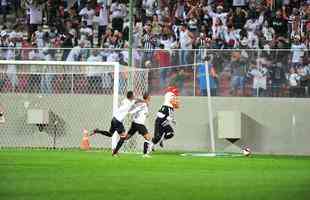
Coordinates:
117	126
140	128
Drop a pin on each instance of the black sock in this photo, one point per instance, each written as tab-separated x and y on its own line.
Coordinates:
119	145
145	147
106	133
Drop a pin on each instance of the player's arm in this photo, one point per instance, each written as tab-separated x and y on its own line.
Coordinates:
165	114
135	108
171	119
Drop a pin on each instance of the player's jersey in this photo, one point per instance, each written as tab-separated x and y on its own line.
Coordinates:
140	113
124	109
165	116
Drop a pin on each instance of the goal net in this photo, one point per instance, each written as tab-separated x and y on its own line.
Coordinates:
49	103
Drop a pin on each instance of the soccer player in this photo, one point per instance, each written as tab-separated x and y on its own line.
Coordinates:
165	117
118	118
138	125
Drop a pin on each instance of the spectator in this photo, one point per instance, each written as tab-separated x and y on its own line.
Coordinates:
218	15
87	13
67	44
16	35
38	37
202	80
277	77
297	49
4	7
302	73
231	37
162	58
148	42
192	22
201	45
124	55
119	11
178	80
76	52
293	80
179	12
238	68
35	76
156	26
186	44
94	73
167	40
259	76
279	24
11	69
239	3
150	7
103	20
252	25
86	34
79	5
48	72
224	82
268	32
239	18
35	15
2	78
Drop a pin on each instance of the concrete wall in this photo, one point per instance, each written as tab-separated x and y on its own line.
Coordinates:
276	126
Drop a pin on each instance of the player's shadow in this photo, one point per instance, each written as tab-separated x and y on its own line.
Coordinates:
252	132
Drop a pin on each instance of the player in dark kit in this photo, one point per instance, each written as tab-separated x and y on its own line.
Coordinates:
165	117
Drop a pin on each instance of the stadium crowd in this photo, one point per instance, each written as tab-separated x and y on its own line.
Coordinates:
171	33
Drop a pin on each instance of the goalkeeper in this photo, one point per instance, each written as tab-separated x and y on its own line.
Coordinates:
165	117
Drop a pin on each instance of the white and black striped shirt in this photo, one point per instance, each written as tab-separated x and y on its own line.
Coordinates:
148	41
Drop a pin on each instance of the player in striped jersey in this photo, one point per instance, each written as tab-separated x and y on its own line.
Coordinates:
139	114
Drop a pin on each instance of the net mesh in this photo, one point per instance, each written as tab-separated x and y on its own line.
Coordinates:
74	96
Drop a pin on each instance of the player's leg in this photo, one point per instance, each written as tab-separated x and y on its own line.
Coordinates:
109	133
158	132
147	143
169	133
147	138
122	137
102	132
131	131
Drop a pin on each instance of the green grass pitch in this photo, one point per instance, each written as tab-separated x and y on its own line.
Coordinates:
77	175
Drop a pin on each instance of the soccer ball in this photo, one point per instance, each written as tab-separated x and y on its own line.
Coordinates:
246	151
